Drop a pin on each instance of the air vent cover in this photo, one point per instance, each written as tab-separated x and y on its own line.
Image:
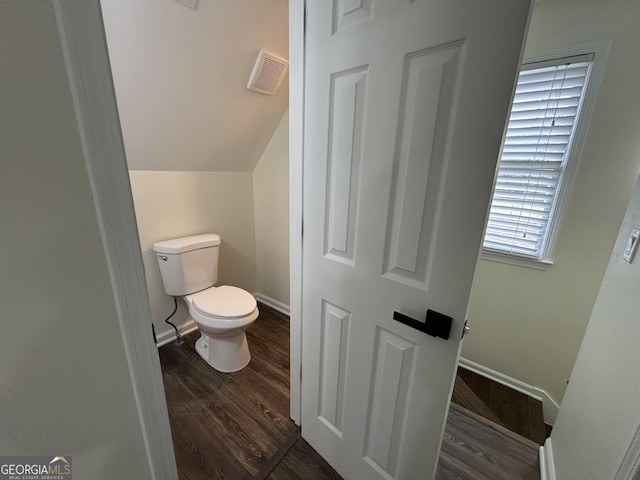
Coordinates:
267	73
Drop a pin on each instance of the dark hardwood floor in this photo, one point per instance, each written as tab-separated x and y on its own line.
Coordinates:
236	426
509	408
476	449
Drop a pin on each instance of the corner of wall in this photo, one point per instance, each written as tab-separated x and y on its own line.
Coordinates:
547	468
271	212
186	200
550	407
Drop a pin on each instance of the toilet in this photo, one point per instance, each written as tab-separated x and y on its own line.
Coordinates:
189	268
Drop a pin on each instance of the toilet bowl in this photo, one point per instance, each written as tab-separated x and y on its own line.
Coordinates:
222	315
189	268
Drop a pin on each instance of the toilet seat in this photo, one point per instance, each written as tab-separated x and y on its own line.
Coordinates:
224	303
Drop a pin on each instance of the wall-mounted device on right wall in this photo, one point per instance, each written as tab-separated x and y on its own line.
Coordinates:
632	245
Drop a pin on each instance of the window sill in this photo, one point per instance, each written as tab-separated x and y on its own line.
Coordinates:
515	260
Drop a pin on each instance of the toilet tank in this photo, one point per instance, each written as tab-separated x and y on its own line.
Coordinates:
188	264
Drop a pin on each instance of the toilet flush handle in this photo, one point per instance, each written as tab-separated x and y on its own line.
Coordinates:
163	257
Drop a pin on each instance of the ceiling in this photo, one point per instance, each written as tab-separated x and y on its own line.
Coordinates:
180	77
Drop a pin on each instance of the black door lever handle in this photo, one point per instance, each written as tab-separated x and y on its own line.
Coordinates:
436	324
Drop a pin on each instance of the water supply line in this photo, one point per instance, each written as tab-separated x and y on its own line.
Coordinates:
179	340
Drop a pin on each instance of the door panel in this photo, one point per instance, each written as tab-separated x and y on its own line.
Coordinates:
346	99
405	106
394	361
348	12
429	78
334	341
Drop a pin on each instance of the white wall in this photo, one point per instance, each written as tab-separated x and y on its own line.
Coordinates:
529	324
599	415
65	387
176	204
180	77
271	207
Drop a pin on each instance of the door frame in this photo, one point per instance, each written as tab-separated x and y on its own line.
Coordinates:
86	57
297	12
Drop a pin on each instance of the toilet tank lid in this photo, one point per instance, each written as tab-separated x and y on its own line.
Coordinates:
185	244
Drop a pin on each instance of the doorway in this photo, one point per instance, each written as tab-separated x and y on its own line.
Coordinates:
197	143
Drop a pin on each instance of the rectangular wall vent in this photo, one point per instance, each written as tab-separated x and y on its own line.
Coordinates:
268	73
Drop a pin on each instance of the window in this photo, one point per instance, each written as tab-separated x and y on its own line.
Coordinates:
539	148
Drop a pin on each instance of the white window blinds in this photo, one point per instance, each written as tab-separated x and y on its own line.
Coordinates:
537	145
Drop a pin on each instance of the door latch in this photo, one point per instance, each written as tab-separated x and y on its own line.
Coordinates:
465	329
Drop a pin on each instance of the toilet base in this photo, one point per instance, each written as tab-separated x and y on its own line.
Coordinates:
225	354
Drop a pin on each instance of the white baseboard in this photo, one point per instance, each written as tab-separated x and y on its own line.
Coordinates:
169	336
547	468
549	407
273	303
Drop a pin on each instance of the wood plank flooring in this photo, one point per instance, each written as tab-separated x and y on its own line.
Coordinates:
236	426
230	426
476	449
502	405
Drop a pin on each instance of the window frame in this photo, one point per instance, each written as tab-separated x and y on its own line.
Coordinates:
599	51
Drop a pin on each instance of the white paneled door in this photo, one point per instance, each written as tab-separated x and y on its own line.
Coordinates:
405	106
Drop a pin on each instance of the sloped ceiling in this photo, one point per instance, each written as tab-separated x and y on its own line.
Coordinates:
180	77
